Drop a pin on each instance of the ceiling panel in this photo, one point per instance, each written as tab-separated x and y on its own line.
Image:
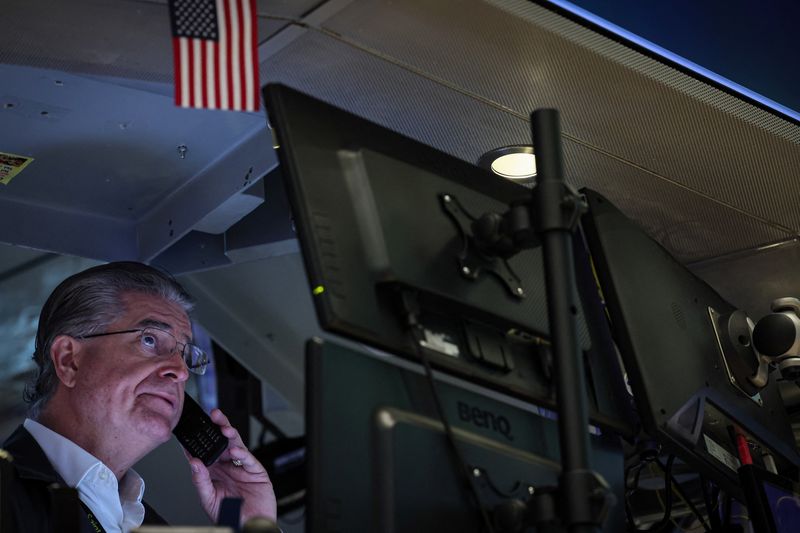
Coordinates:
114	38
693	223
612	99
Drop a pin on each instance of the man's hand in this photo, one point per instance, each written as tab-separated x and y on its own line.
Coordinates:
224	479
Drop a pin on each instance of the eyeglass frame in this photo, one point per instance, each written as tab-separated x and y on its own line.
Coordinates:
177	342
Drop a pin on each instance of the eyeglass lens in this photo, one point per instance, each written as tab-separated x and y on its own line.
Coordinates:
163	343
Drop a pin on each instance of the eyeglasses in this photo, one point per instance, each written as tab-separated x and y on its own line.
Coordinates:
159	343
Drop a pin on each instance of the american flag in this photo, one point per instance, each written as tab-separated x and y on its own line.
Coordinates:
216	57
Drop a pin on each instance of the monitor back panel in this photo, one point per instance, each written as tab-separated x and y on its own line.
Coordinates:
361	468
660	318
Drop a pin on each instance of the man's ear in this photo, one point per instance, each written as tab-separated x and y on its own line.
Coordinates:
64	354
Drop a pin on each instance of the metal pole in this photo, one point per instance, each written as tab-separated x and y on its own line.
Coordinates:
555	210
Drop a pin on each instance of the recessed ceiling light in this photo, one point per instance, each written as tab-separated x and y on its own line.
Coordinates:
511	162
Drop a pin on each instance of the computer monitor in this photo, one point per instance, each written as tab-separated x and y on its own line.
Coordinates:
664	320
384	223
773	502
378	458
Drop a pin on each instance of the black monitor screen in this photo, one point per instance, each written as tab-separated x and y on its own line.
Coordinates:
784	506
773	501
379	459
383	223
662	319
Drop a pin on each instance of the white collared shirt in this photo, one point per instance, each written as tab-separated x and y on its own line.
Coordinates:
118	507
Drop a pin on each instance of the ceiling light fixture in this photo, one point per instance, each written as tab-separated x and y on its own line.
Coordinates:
516	163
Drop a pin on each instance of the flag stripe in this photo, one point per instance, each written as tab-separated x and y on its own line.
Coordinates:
229	42
186	65
235	55
197	69
247	56
222	79
210	75
255	83
189	74
217	62
176	57
201	56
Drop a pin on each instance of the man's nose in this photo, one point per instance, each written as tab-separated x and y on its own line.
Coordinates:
174	367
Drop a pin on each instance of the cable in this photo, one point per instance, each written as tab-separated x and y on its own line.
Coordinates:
667	494
704	487
661	501
670	485
726	521
715	518
682	495
462	465
697	525
629	491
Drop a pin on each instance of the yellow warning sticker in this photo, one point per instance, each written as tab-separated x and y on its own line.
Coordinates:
11	165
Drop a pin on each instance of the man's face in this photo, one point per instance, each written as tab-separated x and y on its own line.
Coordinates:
126	393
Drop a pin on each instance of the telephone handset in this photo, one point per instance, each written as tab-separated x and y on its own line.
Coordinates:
196	432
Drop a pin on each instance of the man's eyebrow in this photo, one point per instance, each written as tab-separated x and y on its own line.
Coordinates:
149	322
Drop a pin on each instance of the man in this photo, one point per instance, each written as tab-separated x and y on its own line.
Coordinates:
113	353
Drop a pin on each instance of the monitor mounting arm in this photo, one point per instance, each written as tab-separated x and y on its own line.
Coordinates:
547	218
583	494
485	244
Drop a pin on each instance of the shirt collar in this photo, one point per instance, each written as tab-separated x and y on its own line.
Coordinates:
118	507
68	459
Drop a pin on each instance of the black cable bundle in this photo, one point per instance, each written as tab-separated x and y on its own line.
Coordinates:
670	484
629	491
674	483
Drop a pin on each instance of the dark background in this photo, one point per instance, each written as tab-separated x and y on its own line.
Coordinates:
754	44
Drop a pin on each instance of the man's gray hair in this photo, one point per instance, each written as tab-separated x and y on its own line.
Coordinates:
86	303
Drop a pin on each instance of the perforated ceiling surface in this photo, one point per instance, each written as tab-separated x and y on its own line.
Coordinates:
706	173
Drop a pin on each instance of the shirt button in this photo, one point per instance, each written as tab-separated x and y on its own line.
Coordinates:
103	475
